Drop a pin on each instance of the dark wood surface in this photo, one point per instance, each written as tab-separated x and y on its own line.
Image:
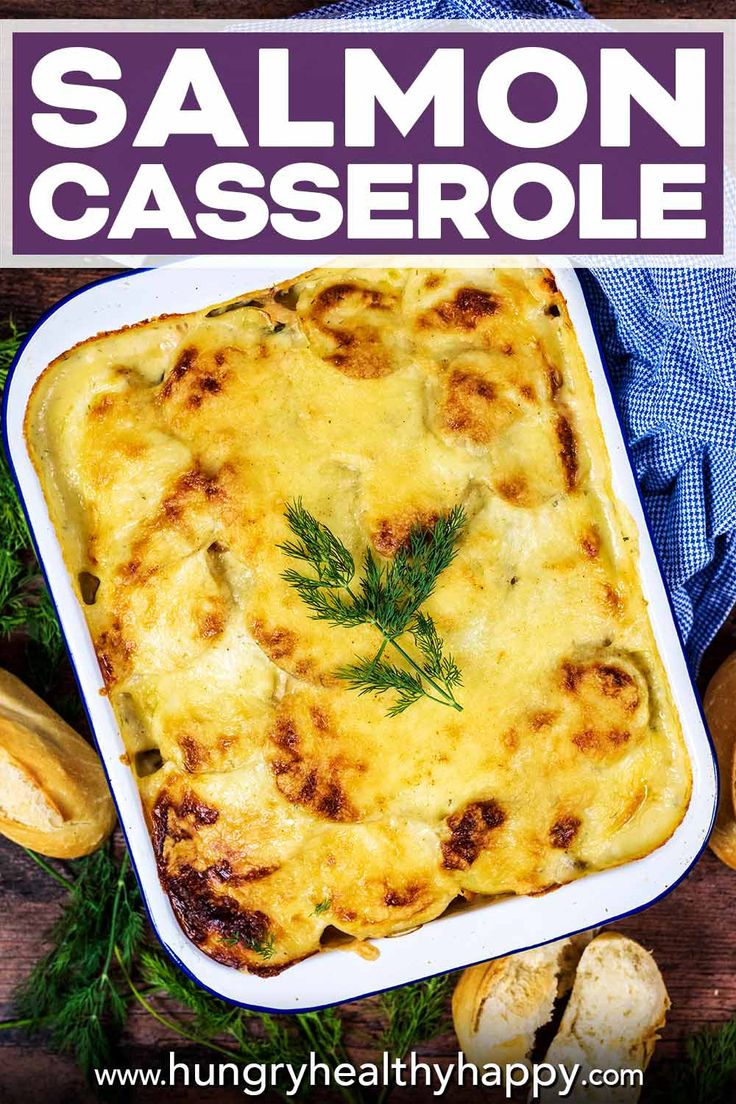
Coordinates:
278	9
690	931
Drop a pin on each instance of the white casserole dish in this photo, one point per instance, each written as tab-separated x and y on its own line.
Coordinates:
460	938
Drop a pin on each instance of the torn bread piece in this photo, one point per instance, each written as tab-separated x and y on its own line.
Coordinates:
53	793
616	1009
720	711
499	1006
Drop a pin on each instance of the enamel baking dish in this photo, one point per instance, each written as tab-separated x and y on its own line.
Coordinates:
459	938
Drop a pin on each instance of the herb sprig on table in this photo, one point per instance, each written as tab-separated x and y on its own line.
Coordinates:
388	597
73	992
100	963
24	602
708	1072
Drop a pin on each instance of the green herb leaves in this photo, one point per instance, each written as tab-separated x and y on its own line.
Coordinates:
24	602
318	547
263	947
705	1074
71	992
415	1013
389	597
10	341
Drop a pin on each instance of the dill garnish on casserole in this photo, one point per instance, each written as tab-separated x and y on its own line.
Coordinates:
389	599
387	481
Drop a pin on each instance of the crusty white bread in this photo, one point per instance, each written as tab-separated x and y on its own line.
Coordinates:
21	796
53	792
720	711
617	1006
499	1006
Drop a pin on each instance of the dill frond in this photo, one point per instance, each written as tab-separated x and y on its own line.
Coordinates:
707	1073
71	996
377	676
79	994
211	1018
10	340
389	598
324	601
24	602
258	1036
410	579
415	1013
430	644
318	546
264	947
324	1032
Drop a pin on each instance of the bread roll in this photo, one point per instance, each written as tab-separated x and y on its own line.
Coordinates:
499	1006
617	1006
53	792
720	712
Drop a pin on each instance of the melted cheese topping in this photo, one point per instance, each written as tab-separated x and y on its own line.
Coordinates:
282	805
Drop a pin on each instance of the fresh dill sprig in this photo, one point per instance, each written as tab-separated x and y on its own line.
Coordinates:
322	1034
389	597
319	547
706	1076
10	339
377	676
322	906
72	994
257	1036
24	602
264	947
428	640
415	1013
75	998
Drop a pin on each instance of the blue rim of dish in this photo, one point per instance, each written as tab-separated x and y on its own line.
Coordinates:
131	273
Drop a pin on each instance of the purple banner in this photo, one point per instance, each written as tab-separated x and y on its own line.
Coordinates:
393	142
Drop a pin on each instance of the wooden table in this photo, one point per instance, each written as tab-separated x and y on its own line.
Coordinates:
689	931
277	9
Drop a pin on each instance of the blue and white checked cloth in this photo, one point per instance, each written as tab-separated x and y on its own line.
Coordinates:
669	337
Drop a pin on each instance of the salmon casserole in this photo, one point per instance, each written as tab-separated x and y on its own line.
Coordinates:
366	609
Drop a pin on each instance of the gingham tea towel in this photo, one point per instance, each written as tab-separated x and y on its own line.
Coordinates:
669	339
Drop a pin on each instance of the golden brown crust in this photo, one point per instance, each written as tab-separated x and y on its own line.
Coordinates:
720	711
616	1010
53	792
382	398
498	1007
